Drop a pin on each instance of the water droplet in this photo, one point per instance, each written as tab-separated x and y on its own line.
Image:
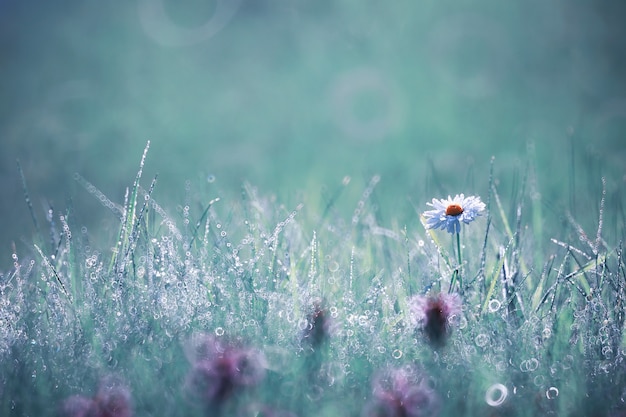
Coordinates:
496	395
567	362
397	354
552	393
304	324
529	365
210	179
314	393
494	305
481	340
219	331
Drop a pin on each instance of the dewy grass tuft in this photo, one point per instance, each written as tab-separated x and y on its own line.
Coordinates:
250	306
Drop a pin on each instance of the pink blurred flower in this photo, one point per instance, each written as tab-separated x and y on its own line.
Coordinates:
111	400
219	369
433	314
76	406
318	326
401	392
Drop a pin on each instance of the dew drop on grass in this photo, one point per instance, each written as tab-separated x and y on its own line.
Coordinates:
552	393
314	393
529	365
397	354
304	324
219	331
494	305
210	178
567	362
496	395
481	340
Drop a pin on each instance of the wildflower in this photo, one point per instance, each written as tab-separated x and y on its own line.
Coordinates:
219	370
433	314
401	392
449	213
318	326
76	406
111	400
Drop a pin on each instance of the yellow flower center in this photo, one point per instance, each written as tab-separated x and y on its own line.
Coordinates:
454	210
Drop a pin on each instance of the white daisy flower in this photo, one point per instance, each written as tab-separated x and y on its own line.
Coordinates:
449	213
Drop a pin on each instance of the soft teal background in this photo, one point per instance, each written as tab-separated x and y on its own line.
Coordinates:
293	95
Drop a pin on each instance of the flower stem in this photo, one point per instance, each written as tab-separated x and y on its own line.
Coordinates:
456	275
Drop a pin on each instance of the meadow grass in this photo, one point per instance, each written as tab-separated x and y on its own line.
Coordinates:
314	308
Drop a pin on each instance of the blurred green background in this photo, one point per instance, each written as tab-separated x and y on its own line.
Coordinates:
294	95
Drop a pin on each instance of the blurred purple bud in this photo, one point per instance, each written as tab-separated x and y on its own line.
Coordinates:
318	326
402	392
112	400
433	314
220	370
76	406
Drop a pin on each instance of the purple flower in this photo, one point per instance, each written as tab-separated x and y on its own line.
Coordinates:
433	314
318	327
111	400
401	392
219	370
76	406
